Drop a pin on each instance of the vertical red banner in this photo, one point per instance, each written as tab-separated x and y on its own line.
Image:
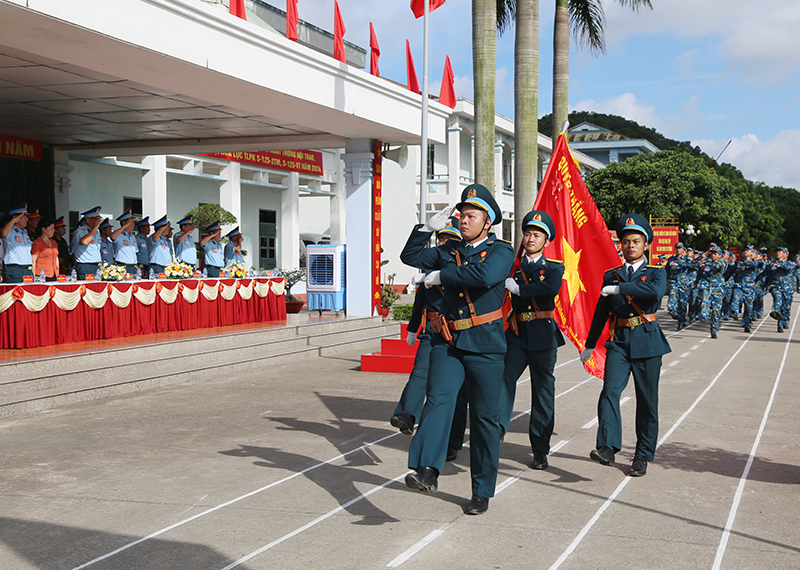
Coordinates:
377	164
664	240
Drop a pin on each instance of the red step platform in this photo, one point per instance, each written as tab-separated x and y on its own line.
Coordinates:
395	356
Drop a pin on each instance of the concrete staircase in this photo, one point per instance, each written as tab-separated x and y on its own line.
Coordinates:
45	383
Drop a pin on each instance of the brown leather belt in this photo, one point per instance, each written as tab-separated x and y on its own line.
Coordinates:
526	317
635	321
464	324
431	314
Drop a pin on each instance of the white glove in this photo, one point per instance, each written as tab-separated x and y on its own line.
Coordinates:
512	286
433	278
586	355
411	338
610	290
418	279
439	220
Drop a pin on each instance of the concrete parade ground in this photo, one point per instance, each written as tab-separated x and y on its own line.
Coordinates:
296	467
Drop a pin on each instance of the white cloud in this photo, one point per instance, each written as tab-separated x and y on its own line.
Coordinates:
765	161
625	105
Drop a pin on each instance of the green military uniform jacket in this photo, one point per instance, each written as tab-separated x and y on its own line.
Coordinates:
544	278
483	272
646	287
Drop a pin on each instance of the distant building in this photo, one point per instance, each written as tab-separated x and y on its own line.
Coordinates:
605	145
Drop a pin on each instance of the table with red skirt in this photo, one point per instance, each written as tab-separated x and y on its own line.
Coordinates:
34	315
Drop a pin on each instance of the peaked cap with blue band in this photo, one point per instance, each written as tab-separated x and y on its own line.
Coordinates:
214	227
93	213
21	209
480	197
184	221
541	220
143	222
161	222
234	232
106	223
635	223
125	215
451	229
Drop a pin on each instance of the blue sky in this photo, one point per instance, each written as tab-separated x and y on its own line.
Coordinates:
706	72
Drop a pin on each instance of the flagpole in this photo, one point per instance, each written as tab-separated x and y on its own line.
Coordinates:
423	175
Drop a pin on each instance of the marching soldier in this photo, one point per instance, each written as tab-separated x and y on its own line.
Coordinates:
783	270
630	297
712	270
533	337
469	344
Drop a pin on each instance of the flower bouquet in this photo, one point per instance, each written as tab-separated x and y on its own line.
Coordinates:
178	270
113	272
235	271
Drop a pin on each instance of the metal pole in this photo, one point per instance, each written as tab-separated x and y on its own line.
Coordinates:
423	174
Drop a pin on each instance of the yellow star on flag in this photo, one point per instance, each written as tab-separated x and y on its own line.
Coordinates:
571	274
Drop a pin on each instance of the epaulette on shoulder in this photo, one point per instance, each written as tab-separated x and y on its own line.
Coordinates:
555	261
614	268
505	241
655	266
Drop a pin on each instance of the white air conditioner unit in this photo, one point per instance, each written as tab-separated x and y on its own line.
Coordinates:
325	277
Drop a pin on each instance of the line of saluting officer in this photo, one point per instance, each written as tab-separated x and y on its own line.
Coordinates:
467	359
715	286
95	242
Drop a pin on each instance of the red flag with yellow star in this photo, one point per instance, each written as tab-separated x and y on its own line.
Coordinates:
583	243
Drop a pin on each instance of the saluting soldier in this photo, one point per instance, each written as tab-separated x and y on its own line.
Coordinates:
233	249
125	242
17	245
160	247
106	246
214	256
86	243
533	337
143	250
469	344
630	296
427	306
185	250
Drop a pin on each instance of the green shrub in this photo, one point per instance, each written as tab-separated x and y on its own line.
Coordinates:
402	312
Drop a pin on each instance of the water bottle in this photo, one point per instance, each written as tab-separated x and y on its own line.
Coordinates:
151	275
205	273
73	276
138	273
98	276
42	276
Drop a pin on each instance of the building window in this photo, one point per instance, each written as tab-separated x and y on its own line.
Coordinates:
267	216
135	205
431	155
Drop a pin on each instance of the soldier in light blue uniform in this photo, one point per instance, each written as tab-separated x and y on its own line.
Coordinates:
469	343
142	248
125	246
86	243
782	281
17	245
160	247
214	259
185	250
630	297
427	306
106	245
533	337
713	271
233	249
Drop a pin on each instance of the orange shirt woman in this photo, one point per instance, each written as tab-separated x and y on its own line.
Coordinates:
44	252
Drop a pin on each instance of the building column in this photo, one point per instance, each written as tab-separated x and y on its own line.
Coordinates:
154	187
289	228
230	192
62	171
338	207
358	182
454	159
498	167
613	155
513	162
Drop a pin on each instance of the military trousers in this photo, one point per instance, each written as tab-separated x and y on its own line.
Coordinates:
712	307
683	297
543	392
782	305
450	368
646	372
413	396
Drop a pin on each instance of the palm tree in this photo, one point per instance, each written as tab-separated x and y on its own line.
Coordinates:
484	57
587	21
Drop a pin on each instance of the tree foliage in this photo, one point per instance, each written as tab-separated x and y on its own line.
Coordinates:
207	214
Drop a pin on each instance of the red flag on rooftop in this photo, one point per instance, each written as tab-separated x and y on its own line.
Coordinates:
291	20
237	9
338	33
411	71
418	7
582	243
447	94
376	52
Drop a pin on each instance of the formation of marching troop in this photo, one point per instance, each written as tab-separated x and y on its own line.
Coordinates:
714	286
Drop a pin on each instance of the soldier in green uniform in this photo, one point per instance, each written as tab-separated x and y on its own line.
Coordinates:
468	345
630	297
533	337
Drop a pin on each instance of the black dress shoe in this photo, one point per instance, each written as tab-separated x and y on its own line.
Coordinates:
774	315
603	455
478	505
747	329
404	422
780	329
539	460
638	467
425	479
713	336
452	453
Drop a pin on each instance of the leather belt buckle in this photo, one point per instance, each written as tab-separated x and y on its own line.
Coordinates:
528	317
634	321
463	324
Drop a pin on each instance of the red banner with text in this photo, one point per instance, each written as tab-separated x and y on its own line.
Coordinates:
302	161
12	147
376	227
664	240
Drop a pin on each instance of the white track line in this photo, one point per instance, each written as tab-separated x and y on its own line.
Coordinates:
723	543
585	530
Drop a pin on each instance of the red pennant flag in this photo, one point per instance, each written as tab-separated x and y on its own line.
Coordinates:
237	9
411	71
418	7
291	20
447	94
583	244
376	52
338	33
